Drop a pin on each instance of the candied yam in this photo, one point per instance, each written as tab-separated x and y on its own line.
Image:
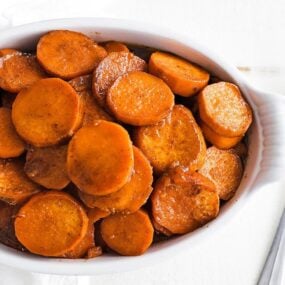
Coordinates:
47	166
51	224
224	169
138	98
18	70
96	214
100	158
68	54
110	68
91	108
217	140
11	145
94	252
47	112
15	187
130	234
177	140
183	200
223	109
132	195
184	78
115	47
160	229
6	51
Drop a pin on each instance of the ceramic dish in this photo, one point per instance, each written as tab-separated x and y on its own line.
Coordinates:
265	164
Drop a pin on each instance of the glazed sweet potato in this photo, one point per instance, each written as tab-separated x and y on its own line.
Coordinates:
132	195
218	140
183	200
184	78
15	187
11	145
128	234
96	214
177	140
223	109
18	70
68	54
224	169
47	166
47	113
110	68
115	47
51	224
138	98
100	158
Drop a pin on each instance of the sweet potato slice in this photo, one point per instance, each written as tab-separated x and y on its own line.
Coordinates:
92	110
68	54
7	99
47	113
218	140
115	47
11	145
18	70
138	98
224	169
132	195
100	158
15	187
177	140
130	234
183	200
184	78
47	166
110	68
223	109
51	224
160	229
96	214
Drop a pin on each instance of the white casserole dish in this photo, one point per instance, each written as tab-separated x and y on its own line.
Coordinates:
265	165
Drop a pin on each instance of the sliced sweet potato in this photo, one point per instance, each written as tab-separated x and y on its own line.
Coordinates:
18	70
68	54
100	158
224	169
51	224
184	78
130	234
115	47
138	98
223	109
47	166
92	110
7	99
11	145
132	195
217	140
160	229
110	68
15	187
47	113
177	140
96	214
183	200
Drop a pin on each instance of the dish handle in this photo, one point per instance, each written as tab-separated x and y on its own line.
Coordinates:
271	112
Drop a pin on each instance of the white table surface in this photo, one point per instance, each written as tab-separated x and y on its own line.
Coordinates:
250	34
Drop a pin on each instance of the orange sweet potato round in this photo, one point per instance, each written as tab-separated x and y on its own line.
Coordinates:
177	140
183	200
11	145
18	70
15	187
51	224
130	234
223	109
184	78
68	54
138	98
224	169
100	158
47	112
47	166
115	47
110	68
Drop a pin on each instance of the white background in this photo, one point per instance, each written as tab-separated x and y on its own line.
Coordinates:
251	35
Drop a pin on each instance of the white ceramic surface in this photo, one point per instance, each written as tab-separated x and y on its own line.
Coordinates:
266	162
